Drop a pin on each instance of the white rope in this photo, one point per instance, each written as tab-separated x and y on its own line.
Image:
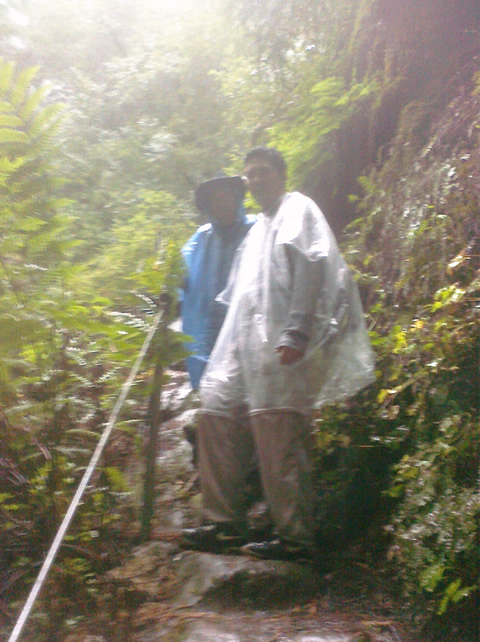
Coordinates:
83	484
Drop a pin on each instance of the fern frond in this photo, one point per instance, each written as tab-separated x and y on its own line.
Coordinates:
9	167
6	107
43	241
45	119
12	136
10	120
6	75
15	332
32	103
43	142
22	84
30	224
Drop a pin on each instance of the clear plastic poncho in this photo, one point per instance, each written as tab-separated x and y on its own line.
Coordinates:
289	280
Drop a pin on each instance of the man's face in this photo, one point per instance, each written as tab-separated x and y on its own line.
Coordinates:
266	184
221	205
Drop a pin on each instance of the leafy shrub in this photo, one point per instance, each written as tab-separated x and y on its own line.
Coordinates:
417	256
63	356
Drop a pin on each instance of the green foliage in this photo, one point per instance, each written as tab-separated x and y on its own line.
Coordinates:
64	352
142	252
323	109
30	223
371	104
417	253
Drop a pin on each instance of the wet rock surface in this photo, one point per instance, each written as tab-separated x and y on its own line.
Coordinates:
239	581
165	594
199	597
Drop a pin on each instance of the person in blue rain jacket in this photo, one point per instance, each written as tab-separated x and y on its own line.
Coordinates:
208	256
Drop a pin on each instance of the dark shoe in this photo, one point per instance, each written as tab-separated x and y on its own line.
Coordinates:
278	549
214	538
190	433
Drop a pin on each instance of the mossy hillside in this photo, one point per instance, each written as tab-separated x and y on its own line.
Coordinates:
413	437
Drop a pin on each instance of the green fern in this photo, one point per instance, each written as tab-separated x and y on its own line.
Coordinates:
6	107
22	85
6	76
12	136
10	120
44	121
32	103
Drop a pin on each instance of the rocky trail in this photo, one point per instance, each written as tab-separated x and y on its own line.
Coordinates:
165	594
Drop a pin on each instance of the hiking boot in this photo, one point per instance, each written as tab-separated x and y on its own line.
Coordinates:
214	538
278	549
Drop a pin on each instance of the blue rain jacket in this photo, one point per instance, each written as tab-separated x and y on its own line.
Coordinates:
208	255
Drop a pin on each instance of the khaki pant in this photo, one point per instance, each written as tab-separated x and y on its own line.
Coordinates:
282	443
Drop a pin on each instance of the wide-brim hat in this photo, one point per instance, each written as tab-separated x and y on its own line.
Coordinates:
235	183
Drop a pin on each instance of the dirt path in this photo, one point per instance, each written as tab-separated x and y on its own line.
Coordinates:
164	594
167	595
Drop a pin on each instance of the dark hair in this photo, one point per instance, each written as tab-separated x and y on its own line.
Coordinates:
271	155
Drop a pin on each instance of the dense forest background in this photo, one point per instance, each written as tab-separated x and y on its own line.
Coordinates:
111	112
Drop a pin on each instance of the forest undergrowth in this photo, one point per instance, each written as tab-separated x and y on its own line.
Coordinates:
375	106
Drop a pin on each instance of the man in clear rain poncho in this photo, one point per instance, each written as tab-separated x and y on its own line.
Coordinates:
294	338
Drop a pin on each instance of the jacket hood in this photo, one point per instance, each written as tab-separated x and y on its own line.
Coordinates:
235	183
